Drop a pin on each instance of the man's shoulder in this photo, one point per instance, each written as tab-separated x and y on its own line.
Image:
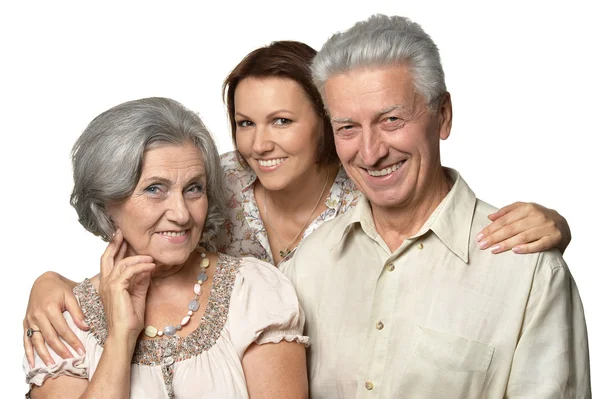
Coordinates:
327	235
540	262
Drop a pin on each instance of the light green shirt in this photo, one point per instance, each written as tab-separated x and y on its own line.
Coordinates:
438	317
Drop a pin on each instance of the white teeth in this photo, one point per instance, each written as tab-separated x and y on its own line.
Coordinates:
270	162
386	171
173	233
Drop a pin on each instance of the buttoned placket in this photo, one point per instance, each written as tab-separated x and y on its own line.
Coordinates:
372	380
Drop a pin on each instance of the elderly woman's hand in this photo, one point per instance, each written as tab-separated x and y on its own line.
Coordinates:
525	228
123	287
50	296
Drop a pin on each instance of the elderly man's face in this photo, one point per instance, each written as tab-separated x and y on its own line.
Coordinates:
165	215
386	138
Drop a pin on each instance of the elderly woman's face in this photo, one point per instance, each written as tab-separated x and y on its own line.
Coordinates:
165	214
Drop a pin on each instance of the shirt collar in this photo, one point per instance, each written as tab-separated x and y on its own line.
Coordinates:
450	221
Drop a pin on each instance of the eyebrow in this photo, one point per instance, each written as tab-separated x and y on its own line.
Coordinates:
270	115
168	182
377	115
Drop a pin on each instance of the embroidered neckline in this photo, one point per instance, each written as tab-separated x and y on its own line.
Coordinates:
173	349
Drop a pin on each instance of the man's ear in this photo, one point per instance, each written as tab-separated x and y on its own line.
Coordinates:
445	116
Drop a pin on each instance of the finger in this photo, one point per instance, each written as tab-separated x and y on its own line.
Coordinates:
41	350
47	337
28	346
130	272
131	261
72	306
122	250
506	232
537	246
503	222
37	340
64	331
504	210
537	234
107	258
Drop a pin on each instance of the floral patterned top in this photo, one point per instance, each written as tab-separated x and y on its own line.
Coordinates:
244	233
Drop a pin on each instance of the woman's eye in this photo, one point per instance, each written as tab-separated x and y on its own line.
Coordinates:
153	189
282	121
195	190
244	123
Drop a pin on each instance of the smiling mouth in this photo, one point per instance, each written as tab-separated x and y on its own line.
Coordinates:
173	233
385	171
271	162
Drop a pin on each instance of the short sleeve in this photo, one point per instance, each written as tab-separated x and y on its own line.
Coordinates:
76	366
264	307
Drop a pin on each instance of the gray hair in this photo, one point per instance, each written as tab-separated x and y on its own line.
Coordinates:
383	40
107	159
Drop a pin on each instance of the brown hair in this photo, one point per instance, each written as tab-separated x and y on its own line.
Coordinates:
288	60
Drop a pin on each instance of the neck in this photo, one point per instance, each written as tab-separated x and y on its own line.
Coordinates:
165	273
300	196
396	224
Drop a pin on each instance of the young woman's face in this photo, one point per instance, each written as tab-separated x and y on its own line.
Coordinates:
277	130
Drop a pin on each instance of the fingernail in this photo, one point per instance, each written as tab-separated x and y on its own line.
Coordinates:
479	236
495	248
84	323
81	352
517	250
483	244
51	362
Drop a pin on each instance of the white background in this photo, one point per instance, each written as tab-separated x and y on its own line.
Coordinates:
523	77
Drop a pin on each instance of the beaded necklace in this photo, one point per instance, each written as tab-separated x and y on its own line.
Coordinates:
193	306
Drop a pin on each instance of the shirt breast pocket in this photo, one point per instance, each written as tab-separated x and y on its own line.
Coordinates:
445	366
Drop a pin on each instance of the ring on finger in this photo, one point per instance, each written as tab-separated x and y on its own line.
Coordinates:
30	332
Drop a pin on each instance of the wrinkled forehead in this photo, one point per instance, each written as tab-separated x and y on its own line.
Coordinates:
371	90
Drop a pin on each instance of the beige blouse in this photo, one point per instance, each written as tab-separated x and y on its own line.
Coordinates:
250	301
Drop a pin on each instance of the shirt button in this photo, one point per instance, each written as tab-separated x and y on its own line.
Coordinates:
421	246
379	325
369	385
390	267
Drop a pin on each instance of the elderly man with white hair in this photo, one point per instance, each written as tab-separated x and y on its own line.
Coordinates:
400	302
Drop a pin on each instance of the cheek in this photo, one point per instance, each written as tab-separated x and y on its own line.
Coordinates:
243	142
344	149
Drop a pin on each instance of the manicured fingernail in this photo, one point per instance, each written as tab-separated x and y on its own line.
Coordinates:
495	248
479	236
51	362
81	352
517	250
483	244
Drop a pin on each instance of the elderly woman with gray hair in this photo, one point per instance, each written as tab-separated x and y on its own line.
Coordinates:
168	318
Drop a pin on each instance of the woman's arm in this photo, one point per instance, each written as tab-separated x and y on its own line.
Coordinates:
52	294
123	287
276	370
525	228
111	379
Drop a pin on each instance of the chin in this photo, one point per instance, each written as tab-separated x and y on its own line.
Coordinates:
172	259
